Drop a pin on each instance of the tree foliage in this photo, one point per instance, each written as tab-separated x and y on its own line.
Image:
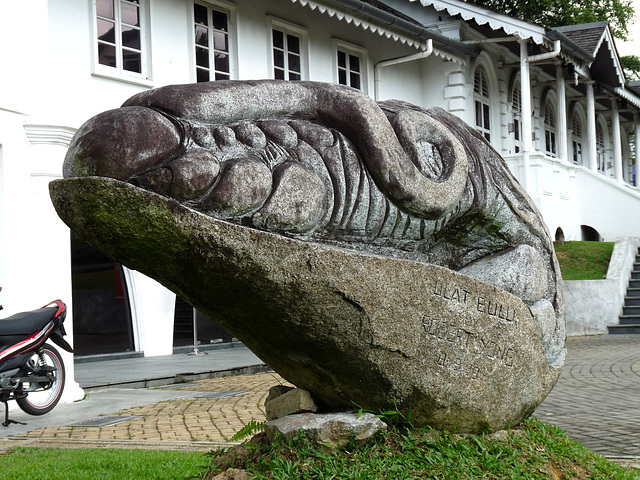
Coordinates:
631	65
556	13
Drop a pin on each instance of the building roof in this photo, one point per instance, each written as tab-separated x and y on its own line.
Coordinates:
588	36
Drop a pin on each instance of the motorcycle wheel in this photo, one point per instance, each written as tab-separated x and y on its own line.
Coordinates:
42	401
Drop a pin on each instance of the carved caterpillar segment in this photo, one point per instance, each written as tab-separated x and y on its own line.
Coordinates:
344	109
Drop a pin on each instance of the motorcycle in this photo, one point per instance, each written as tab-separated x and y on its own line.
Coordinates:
32	371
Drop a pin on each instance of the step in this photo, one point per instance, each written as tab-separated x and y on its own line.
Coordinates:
624	329
635	275
629	319
633	292
634	284
631	310
632	301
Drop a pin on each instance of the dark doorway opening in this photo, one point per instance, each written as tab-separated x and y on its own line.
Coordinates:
589	234
101	314
209	332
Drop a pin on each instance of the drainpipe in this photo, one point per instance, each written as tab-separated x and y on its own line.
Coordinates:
525	89
395	61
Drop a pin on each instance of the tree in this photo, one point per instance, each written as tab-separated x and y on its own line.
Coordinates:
556	13
631	65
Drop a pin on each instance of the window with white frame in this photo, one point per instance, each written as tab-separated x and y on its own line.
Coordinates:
212	43
482	103
600	150
287	46
349	68
516	110
576	141
549	129
120	36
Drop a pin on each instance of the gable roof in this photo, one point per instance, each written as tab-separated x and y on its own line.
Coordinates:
596	39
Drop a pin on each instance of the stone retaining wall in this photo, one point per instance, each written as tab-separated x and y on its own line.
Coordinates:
594	304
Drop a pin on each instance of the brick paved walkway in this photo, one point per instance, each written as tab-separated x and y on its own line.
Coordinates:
190	419
597	397
595	401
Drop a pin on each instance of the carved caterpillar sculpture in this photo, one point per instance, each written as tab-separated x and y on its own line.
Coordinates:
325	164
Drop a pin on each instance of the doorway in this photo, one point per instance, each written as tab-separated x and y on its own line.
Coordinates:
101	313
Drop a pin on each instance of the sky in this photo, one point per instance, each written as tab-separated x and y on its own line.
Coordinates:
632	47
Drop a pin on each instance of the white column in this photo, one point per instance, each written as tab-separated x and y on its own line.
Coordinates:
636	120
617	144
562	113
591	127
525	90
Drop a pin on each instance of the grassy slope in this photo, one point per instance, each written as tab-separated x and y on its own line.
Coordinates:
584	260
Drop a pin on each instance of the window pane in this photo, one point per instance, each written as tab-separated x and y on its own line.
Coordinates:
104	8
293	43
478	114
342	77
222	76
219	20
342	59
294	63
485	110
132	61
354	63
131	37
220	41
278	39
278	74
202	57
202	75
129	14
222	63
355	80
106	31
202	36
106	55
200	14
278	58
294	76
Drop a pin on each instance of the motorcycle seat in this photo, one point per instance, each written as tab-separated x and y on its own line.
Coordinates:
26	323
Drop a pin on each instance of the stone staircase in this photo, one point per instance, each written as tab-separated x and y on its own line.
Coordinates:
630	318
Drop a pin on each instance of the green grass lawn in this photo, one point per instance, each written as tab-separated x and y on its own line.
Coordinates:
584	260
26	463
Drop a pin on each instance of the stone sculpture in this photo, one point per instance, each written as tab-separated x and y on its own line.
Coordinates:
372	254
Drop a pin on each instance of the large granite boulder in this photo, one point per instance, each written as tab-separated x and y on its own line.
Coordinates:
376	255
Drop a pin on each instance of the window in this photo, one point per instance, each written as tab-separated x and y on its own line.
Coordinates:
516	109
600	151
349	69
287	55
211	37
120	35
577	140
482	103
549	129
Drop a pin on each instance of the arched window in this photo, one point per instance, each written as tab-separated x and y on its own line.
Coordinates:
482	103
577	140
549	129
516	109
600	151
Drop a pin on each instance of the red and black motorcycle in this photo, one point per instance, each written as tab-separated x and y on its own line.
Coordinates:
32	371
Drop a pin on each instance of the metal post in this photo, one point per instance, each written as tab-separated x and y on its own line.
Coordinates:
195	335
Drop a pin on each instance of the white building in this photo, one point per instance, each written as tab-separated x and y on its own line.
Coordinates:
554	103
